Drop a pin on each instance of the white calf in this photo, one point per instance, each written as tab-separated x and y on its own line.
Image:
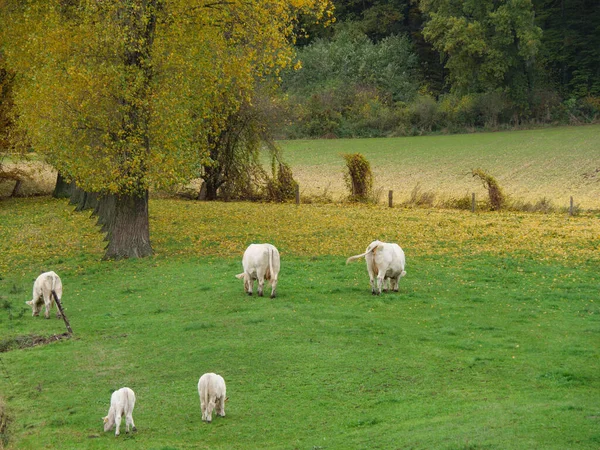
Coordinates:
261	262
44	286
384	261
121	403
211	388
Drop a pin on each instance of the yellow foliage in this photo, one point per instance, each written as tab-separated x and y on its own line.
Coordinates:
42	232
120	94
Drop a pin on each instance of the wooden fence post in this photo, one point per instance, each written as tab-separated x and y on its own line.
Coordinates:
473	202
297	194
391	199
571	206
60	308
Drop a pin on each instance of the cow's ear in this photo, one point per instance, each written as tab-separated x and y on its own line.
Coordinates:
239	276
105	419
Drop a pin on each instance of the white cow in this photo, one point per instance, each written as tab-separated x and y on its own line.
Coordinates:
261	262
44	286
212	391
121	404
384	261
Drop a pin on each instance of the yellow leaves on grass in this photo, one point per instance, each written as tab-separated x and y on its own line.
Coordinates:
225	229
40	232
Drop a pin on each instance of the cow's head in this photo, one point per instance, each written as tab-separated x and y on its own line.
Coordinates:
109	422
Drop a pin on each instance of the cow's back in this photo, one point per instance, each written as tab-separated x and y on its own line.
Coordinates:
211	384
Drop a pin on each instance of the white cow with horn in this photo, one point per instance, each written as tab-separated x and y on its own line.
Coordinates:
261	262
384	261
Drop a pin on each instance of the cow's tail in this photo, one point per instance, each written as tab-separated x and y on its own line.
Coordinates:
370	249
354	258
270	277
403	273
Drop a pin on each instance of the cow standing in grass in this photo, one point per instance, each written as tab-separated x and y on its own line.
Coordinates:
47	284
212	392
121	404
261	262
385	261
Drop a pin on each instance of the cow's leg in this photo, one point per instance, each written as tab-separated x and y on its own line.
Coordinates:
117	423
273	287
261	282
396	283
209	409
249	282
48	300
380	281
203	409
261	286
372	281
128	422
221	407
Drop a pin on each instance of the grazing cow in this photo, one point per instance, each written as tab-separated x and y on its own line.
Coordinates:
211	388
121	403
384	261
43	288
261	262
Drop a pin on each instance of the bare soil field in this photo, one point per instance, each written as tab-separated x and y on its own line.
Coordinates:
532	166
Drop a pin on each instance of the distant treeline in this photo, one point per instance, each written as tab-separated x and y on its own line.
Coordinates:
405	67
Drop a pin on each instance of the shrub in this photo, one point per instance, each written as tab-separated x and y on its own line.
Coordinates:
282	186
358	178
420	198
425	116
496	195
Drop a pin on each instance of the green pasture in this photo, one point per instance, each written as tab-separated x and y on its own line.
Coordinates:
530	165
491	343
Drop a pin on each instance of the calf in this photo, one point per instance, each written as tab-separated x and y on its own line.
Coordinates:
384	261
121	403
211	388
47	284
261	262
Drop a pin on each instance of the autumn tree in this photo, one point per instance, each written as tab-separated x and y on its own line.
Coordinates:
125	96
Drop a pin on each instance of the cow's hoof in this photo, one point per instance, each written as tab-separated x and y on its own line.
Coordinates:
250	294
395	290
134	429
260	294
272	295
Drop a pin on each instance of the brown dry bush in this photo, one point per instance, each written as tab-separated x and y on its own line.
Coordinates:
358	178
497	199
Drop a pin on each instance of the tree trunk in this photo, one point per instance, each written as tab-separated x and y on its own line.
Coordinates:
130	236
61	189
77	194
16	192
211	190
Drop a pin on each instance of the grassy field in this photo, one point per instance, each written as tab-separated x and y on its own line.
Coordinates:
491	343
553	163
